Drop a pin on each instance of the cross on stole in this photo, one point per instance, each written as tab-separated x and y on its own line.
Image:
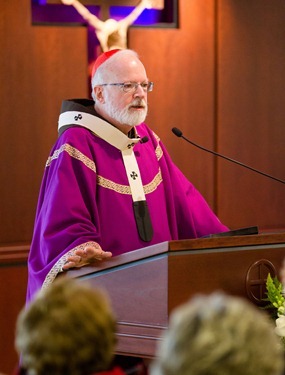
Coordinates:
54	12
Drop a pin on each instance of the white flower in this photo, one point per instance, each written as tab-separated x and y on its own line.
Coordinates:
280	326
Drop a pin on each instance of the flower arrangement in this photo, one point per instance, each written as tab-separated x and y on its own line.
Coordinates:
276	299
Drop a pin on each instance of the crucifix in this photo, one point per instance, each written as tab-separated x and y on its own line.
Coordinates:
105	30
111	33
108	21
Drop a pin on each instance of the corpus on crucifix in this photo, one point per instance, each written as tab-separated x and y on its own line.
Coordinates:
111	34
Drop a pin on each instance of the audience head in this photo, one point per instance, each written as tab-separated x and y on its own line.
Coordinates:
67	329
219	335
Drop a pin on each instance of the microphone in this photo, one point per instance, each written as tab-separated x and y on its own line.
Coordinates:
179	133
144	139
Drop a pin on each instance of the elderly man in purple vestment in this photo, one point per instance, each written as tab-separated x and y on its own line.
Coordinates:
109	185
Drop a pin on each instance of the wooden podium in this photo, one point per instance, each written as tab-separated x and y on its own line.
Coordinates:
146	284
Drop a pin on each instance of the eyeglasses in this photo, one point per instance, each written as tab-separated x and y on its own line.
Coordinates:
131	86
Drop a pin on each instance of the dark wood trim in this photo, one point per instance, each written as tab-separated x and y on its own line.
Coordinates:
221	242
10	254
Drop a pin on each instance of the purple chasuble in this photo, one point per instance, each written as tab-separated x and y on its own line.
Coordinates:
85	198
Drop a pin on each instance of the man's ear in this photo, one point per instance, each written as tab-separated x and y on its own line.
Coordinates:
98	91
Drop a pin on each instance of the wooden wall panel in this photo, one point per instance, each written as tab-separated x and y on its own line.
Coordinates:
39	66
251	111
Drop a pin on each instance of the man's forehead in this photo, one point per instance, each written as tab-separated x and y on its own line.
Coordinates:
128	69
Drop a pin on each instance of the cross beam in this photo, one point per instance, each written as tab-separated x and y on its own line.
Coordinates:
105	5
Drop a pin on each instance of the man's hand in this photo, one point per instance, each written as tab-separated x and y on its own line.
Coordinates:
82	257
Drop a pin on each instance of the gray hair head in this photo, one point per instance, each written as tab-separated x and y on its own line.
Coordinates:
101	73
219	335
68	328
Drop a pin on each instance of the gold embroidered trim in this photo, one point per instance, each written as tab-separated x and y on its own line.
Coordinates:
74	153
104	182
108	184
158	150
57	268
156	136
153	185
125	189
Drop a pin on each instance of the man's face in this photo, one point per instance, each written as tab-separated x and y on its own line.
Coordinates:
126	108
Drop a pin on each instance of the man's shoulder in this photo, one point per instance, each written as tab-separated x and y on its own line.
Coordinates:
80	104
76	137
76	134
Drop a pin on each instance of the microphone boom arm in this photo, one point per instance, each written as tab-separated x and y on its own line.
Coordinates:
179	133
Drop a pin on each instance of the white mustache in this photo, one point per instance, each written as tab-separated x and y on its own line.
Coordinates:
138	102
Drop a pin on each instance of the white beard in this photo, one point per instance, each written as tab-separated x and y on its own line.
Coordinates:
123	116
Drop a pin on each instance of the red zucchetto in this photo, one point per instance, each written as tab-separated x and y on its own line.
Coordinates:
102	58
